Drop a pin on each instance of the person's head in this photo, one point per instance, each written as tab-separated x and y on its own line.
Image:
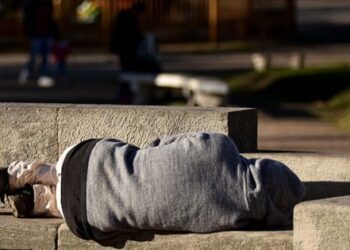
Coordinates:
284	190
139	7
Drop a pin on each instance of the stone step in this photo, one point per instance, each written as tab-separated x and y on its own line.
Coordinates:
42	131
28	233
318	224
322	224
248	240
52	234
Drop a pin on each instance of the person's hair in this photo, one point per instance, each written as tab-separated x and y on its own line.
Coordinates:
139	7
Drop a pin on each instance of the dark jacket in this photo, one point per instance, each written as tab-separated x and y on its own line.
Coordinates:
127	34
38	19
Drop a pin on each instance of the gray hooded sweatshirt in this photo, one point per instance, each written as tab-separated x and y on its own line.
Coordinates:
195	182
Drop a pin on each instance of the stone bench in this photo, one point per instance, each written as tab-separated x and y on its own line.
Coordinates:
52	234
318	224
29	131
43	131
201	91
322	224
263	61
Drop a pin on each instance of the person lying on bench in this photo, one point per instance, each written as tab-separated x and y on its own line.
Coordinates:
193	182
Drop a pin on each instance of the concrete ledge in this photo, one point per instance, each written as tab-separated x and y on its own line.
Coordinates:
28	233
52	234
42	131
28	132
278	240
325	175
322	224
141	124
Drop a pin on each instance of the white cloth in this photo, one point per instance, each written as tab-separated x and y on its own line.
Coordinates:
59	172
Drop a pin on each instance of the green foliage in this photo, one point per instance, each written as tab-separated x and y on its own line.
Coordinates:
342	100
337	110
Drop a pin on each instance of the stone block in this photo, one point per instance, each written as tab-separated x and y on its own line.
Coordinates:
28	131
139	125
28	233
42	131
325	175
322	224
247	240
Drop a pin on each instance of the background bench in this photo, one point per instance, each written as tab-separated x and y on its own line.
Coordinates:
200	91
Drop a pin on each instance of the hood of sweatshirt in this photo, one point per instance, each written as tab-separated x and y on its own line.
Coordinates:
282	189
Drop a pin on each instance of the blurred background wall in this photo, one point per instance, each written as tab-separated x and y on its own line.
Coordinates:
182	21
173	21
323	21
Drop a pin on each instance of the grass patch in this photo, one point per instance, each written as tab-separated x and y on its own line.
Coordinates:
337	109
340	101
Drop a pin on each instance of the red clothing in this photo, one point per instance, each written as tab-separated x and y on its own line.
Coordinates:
60	51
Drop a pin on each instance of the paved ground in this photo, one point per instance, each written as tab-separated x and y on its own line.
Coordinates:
301	134
93	79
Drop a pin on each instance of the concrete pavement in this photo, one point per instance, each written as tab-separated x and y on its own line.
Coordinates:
176	59
93	78
301	134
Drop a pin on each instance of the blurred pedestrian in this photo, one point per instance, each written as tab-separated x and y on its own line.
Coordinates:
60	53
39	26
135	49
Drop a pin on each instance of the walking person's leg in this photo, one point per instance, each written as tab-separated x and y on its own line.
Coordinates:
30	68
34	53
45	48
45	80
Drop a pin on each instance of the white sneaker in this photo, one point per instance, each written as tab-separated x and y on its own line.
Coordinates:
46	82
23	76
